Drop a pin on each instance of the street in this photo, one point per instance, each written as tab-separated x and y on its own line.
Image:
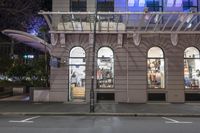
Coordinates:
98	124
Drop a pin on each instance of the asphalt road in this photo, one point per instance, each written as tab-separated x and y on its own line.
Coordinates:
97	124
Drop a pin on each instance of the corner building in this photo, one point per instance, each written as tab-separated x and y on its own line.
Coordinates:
145	50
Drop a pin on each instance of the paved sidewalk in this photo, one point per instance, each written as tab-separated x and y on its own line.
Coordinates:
123	109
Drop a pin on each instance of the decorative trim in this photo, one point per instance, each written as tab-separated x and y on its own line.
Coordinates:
54	39
136	39
62	39
120	39
174	39
91	38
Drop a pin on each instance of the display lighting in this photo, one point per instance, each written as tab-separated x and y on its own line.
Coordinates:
131	2
141	3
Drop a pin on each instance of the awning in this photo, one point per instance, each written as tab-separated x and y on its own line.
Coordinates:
124	22
28	39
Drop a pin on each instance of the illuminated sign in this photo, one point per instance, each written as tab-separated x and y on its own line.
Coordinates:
28	56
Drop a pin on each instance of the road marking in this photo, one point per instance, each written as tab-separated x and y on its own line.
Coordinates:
175	121
26	120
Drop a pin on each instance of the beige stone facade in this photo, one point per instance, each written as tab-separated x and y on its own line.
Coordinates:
130	67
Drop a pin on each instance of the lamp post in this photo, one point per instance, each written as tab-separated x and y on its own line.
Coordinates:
92	107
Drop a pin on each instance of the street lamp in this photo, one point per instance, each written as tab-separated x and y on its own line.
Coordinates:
92	107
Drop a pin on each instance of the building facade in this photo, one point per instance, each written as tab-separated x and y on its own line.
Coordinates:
144	50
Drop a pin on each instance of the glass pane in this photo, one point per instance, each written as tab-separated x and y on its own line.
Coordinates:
77	82
105	52
78	5
105	5
155	52
192	73
191	52
156	75
105	73
77	61
77	52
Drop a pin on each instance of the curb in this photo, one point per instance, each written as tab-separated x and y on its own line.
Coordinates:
98	114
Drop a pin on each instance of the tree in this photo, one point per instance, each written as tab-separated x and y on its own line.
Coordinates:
18	71
37	73
6	63
16	13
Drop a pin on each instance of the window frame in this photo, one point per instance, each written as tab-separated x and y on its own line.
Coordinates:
70	65
107	8
113	85
147	69
78	6
190	58
189	6
160	7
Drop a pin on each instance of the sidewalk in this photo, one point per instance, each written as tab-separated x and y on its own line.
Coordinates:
113	109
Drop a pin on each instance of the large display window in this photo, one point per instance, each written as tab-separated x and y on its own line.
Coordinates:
156	68
192	68
77	74
105	68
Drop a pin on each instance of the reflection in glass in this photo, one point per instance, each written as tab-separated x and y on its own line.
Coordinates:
191	68
156	73
105	68
77	74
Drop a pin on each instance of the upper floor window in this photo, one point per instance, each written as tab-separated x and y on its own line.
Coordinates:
174	3
190	5
105	5
154	5
192	68
78	5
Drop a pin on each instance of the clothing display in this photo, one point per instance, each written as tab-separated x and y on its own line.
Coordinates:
155	73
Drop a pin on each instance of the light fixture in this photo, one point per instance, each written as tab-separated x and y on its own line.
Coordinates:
178	3
141	3
131	2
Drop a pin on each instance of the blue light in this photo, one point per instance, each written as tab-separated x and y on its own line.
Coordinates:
35	24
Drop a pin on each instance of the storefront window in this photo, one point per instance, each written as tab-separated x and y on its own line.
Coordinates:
77	74
105	68
156	72
192	68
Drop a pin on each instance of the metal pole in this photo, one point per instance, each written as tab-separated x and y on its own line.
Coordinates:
45	58
92	107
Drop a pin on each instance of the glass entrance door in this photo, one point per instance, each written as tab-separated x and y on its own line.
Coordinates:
77	83
77	74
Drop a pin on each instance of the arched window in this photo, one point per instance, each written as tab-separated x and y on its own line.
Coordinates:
105	68
77	74
192	68
156	68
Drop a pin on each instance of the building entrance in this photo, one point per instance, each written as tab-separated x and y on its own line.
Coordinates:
77	74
